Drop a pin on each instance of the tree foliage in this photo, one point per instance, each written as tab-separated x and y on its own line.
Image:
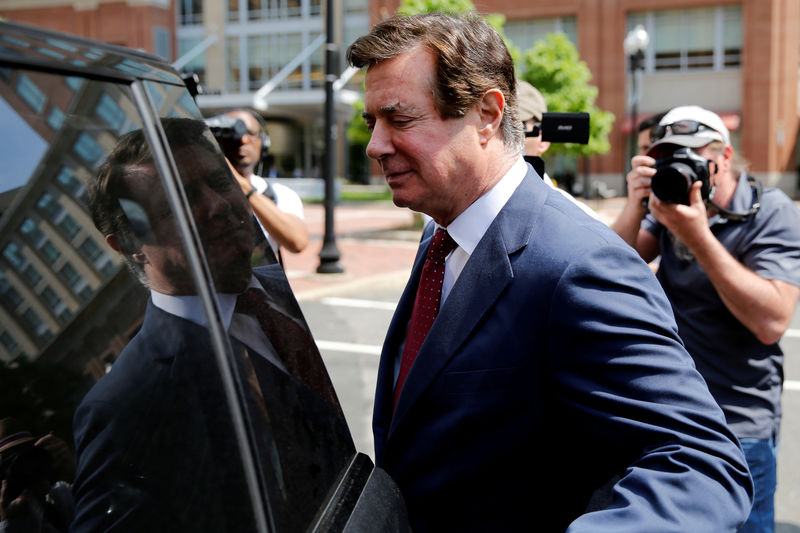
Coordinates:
553	66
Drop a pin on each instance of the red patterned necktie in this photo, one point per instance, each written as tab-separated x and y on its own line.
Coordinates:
426	303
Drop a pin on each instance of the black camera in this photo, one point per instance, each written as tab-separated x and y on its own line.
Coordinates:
677	168
565	127
226	129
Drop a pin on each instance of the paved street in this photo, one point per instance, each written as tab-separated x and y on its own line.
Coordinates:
349	313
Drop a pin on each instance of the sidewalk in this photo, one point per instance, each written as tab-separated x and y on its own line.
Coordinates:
377	243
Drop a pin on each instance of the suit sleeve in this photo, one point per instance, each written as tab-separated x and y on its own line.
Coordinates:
632	396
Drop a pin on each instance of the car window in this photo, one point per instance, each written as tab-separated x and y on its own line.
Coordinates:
119	402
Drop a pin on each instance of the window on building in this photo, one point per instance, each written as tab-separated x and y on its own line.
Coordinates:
110	112
12	253
50	297
70	182
233	10
88	149
70	227
71	276
91	250
162	42
31	274
56	118
234	69
259	69
49	206
30	93
49	251
31	232
190	11
8	342
687	39
525	33
196	64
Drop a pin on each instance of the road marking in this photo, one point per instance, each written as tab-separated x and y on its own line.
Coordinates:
334	346
791	385
795	333
363	304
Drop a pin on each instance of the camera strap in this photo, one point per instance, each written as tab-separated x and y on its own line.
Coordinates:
757	189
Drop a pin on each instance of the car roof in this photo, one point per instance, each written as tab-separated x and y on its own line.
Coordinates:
54	52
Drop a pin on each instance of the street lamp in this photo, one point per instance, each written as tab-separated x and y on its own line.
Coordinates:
329	254
635	44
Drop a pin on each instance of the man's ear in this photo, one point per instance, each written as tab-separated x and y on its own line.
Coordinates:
490	108
113	242
543	146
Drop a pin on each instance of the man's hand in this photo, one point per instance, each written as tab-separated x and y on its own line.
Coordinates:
639	178
688	223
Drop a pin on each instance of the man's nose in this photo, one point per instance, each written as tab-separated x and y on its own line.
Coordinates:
380	142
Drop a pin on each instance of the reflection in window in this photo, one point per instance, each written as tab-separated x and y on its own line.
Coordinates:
88	149
91	250
30	93
74	82
50	252
50	297
31	275
8	342
56	118
70	182
71	276
12	296
69	226
12	253
51	53
49	206
31	232
110	112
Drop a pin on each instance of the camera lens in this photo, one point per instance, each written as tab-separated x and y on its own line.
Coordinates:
672	183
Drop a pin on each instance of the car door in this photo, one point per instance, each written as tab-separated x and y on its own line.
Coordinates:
141	390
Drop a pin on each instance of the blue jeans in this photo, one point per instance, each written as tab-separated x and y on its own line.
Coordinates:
761	455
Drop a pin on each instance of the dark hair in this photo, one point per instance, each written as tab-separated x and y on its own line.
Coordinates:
650	122
471	58
109	186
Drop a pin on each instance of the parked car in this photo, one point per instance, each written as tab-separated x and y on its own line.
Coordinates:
154	419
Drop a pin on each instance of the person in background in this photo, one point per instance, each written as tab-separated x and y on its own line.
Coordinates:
278	208
730	266
533	356
531	109
645	131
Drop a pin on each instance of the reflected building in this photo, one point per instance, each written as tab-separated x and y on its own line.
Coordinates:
55	267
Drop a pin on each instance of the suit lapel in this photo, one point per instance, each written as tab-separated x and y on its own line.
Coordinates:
487	273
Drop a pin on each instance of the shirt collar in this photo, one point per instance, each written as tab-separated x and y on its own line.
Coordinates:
741	202
191	308
469	227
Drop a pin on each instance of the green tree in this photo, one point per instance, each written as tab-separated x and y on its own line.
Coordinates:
553	66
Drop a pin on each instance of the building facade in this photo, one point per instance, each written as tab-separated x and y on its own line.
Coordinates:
736	57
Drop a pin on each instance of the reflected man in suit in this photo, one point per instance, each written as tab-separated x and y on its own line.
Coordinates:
155	442
553	364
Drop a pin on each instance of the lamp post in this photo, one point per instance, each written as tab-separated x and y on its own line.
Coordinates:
329	254
635	44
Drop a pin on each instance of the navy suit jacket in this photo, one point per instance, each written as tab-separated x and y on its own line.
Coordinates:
156	448
553	367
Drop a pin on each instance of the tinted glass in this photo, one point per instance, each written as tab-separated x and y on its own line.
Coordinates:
133	389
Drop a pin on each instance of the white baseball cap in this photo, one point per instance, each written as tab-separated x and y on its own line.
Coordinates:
691	126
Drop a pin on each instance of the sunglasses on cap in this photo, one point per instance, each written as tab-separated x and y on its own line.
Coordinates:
537	128
681	127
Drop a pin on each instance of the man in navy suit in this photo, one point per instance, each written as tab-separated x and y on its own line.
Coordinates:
155	439
553	368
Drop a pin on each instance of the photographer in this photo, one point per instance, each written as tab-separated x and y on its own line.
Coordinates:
532	108
278	208
730	265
